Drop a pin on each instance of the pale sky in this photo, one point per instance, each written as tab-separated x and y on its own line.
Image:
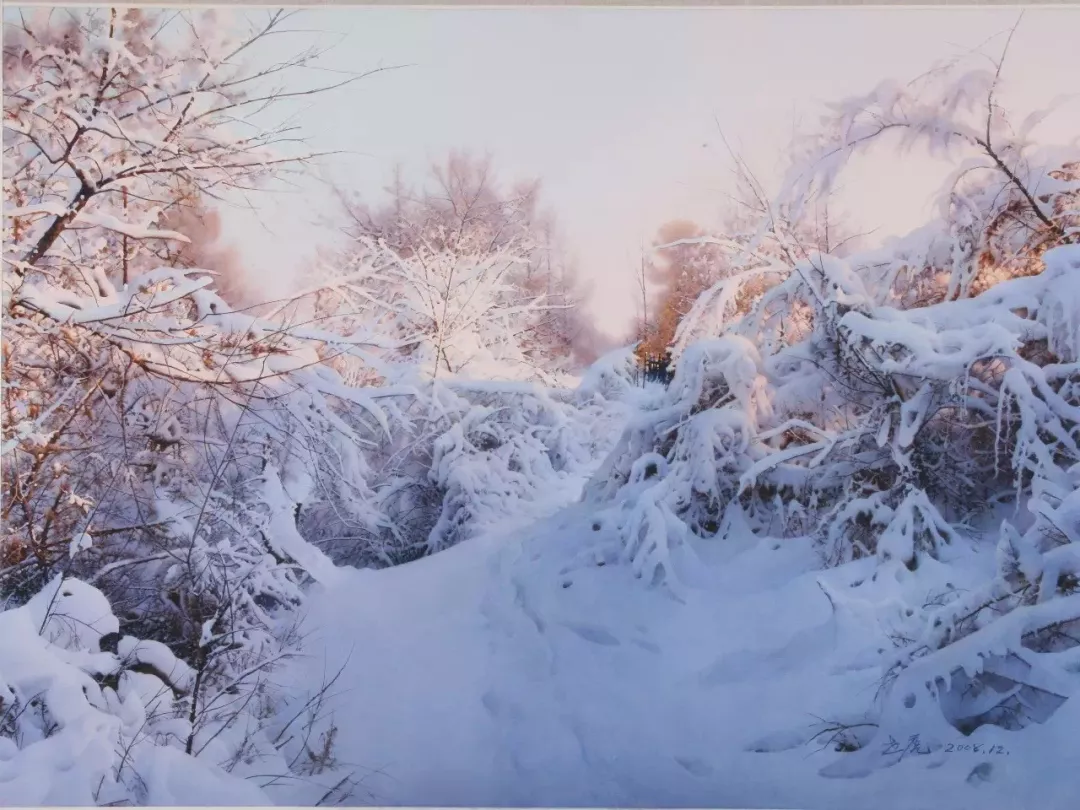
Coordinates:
616	111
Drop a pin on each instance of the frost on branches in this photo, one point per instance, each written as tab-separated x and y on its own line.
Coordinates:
904	407
461	300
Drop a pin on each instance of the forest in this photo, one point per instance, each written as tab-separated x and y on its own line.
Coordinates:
851	501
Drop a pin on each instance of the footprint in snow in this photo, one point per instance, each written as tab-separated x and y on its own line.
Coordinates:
781	741
496	707
597	635
735	667
779	661
980	773
695	766
491	703
647	645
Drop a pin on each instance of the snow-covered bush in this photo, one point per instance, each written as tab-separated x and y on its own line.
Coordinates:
679	461
890	405
1003	653
612	377
90	717
168	474
467	455
889	434
180	452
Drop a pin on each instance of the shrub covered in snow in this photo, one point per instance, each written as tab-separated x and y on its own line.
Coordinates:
885	434
90	717
890	405
465	456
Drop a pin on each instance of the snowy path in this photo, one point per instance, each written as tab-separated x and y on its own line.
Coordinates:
506	671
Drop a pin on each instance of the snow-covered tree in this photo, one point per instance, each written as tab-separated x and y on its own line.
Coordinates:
112	117
157	444
460	308
473	272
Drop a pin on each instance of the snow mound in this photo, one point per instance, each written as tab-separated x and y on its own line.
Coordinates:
83	726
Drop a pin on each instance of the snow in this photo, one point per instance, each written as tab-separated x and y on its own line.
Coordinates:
131	229
281	532
581	638
511	671
75	742
80	542
609	647
1061	315
626	600
834	563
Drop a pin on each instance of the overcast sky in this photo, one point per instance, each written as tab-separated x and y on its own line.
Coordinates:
617	111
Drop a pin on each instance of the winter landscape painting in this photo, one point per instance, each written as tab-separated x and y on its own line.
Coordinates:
541	407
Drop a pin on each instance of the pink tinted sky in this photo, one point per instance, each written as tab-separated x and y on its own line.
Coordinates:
616	110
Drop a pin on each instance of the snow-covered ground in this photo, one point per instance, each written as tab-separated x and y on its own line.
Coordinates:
514	670
834	563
